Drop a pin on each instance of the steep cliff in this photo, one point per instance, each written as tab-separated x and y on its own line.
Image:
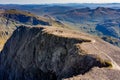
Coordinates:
11	19
52	53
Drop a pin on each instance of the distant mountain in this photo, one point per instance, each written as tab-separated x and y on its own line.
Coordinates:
101	21
53	53
51	8
39	9
110	27
87	14
92	5
74	5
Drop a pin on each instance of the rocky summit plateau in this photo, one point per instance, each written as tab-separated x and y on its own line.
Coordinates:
54	53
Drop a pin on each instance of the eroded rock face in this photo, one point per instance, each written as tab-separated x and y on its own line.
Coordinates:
11	19
40	54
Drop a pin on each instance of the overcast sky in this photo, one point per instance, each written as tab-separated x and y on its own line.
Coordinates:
55	1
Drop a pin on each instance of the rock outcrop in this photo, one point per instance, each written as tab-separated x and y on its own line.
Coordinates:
51	53
11	19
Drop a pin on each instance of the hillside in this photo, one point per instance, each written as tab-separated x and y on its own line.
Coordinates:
87	14
110	27
54	53
101	21
11	19
89	18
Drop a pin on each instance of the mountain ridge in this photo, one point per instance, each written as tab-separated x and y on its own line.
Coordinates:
11	19
34	53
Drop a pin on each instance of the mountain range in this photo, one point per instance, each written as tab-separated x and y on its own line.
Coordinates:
60	42
101	21
83	17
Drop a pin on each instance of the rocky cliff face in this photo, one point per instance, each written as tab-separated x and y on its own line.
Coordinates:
50	53
11	19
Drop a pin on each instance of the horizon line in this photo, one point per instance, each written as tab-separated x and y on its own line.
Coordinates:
53	3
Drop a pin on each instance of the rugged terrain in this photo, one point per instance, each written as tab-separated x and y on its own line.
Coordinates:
53	53
89	18
101	21
11	19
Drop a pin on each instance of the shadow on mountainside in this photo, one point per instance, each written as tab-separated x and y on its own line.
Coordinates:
33	54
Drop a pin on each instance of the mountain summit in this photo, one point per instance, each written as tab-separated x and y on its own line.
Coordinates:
11	19
53	53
